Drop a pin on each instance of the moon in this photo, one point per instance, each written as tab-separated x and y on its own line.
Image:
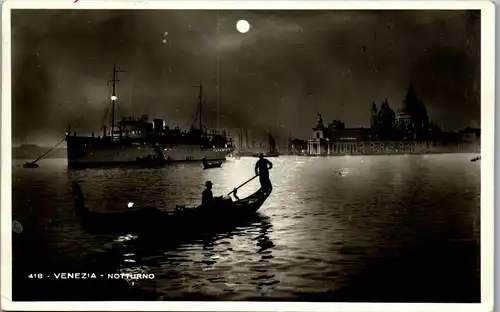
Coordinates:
242	26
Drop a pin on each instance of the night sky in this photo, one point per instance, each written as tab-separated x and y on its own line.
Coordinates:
287	68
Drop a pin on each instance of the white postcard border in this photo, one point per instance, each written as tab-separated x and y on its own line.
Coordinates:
487	156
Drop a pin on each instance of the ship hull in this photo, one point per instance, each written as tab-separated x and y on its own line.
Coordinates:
94	154
182	153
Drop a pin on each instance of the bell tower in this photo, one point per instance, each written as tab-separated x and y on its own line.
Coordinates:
318	132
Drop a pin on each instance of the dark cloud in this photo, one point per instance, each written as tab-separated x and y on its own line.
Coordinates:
288	67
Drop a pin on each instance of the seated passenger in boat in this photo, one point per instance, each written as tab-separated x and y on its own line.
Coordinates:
208	198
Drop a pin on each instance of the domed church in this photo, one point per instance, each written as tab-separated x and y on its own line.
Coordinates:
406	131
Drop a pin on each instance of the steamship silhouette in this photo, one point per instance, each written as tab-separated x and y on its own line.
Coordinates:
139	141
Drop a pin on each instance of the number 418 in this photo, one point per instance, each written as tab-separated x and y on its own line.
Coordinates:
36	275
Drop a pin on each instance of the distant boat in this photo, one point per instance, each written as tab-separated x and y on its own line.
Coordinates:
248	154
268	155
33	164
274	154
29	164
209	165
244	148
476	158
273	151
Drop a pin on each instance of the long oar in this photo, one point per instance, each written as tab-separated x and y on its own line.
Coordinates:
242	185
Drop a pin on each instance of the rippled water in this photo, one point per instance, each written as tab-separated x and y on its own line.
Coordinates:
364	228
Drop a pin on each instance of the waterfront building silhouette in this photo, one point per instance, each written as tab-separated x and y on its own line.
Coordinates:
408	131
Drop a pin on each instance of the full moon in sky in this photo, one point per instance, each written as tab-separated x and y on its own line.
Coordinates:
242	26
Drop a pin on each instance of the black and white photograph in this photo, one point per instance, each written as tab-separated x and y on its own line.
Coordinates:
248	153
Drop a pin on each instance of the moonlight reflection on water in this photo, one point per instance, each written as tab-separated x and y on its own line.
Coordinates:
367	228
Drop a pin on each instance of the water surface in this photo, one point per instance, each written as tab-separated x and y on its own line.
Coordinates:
364	228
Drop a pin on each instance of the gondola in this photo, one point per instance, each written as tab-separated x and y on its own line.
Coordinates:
151	219
476	158
208	165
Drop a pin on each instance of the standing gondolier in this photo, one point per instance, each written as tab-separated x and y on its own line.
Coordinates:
262	167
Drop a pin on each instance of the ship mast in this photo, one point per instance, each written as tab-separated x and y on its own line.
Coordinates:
241	140
246	138
114	98
218	72
270	140
217	88
272	143
200	104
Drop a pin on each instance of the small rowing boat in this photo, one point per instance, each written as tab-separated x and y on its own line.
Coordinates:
151	219
33	164
208	165
30	165
476	158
